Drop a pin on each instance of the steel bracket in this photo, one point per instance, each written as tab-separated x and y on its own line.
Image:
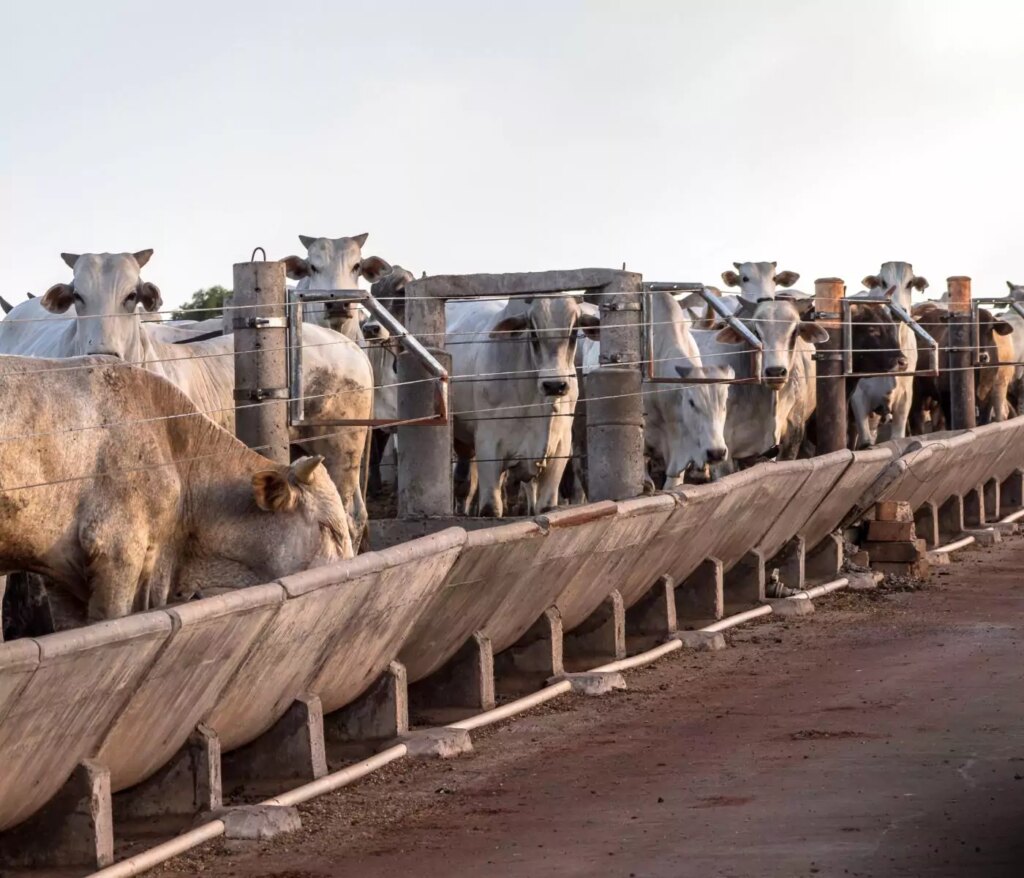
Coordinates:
258	394
259	323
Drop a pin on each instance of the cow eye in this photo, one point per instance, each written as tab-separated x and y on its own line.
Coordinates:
746	279
693	405
357	266
130	299
78	298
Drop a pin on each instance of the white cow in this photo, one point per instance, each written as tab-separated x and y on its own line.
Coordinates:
334	264
104	295
769	418
514	392
901	277
758	280
684	424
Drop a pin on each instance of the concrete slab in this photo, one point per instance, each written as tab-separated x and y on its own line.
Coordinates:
709	641
439	743
258	822
593	682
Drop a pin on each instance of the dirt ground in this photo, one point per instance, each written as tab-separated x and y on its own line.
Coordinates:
881	736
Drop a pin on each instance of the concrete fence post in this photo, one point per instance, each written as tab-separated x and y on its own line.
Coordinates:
831	408
614	406
424	453
961	359
261	358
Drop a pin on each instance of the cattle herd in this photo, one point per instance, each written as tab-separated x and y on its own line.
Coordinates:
122	486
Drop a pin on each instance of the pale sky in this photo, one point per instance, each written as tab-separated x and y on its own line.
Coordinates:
674	136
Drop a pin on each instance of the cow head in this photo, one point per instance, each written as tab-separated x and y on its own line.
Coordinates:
697	431
899	275
546	328
876	338
335	264
1016	293
389	290
758	280
303	498
990	326
780	326
106	292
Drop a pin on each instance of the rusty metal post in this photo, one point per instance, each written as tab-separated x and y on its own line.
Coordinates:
424	453
961	359
261	358
831	383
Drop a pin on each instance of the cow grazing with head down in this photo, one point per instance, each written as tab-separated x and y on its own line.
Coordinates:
899	276
104	296
768	419
334	264
514	393
124	496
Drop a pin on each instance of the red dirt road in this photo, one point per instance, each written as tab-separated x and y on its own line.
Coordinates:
882	736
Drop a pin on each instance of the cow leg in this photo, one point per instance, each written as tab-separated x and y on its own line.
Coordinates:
860	409
901	406
489	473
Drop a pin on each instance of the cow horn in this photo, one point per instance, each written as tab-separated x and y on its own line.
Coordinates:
7	306
361	239
30	295
306	240
304	468
143	256
69	259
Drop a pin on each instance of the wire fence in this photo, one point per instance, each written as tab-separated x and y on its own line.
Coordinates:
502	412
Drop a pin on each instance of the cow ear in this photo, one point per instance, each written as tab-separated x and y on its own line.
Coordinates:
149	295
731	278
728	335
274	492
58	298
296	267
69	259
919	283
813	333
142	257
1001	327
591	326
786	278
509	326
361	239
373	268
872	282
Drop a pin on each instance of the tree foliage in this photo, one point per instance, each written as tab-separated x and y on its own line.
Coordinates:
204	304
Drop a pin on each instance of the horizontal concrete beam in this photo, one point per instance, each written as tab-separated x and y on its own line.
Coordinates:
458	286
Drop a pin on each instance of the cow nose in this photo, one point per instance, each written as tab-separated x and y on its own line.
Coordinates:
555	388
717	455
983	357
371	330
776	372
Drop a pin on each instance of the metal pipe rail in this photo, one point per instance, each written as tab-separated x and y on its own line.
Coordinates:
297	406
715	304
